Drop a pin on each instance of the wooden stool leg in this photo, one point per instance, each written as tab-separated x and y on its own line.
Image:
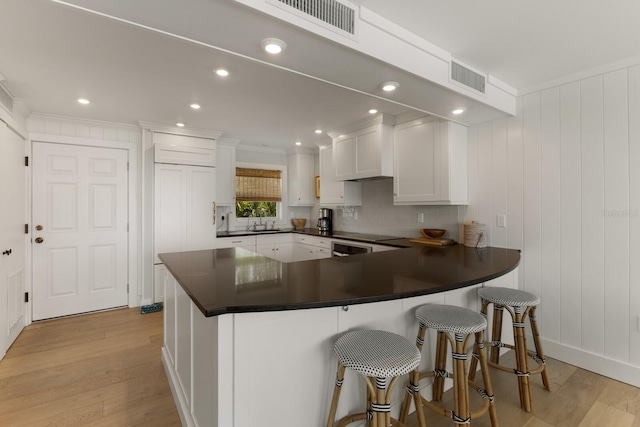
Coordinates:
461	415
484	369
522	368
496	332
538	346
336	395
440	367
413	392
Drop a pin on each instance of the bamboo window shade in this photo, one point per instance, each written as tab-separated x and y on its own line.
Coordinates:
258	185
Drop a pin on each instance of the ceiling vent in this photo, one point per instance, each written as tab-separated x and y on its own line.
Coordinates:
339	16
468	77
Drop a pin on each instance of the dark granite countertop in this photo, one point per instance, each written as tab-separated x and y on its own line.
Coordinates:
345	235
235	280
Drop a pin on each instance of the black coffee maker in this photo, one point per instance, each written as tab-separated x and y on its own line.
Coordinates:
325	222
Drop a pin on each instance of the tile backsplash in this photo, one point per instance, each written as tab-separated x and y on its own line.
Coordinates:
378	215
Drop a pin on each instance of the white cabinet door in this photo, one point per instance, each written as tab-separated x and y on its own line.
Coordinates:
284	251
334	192
417	154
13	190
226	175
301	180
184	208
430	163
302	252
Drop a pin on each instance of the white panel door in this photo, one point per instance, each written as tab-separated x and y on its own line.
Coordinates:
12	238
80	229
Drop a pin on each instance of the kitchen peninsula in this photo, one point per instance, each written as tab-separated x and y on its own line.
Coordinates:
249	340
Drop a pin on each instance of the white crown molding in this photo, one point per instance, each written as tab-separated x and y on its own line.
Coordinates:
229	141
174	130
382	118
603	69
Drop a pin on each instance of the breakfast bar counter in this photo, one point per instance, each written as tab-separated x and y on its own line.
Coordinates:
248	339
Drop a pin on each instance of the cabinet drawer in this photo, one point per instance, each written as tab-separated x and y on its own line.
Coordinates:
273	238
232	242
304	239
323	242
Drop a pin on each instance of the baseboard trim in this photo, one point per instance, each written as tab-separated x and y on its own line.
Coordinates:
181	404
615	369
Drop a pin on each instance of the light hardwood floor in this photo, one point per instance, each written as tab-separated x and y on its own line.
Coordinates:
104	369
101	369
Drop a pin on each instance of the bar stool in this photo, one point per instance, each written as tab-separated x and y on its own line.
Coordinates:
376	356
519	304
462	323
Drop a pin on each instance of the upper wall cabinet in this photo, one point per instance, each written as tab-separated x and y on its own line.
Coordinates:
300	169
334	192
430	163
226	172
364	150
184	150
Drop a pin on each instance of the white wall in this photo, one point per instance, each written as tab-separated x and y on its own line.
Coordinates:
566	172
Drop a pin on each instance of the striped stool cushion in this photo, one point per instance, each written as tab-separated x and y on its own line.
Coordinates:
375	353
509	297
449	318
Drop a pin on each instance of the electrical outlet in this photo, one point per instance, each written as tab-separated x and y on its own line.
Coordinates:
420	217
501	221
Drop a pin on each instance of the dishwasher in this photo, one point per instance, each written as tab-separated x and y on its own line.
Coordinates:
346	249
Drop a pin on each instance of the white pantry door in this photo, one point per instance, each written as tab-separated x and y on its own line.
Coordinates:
79	229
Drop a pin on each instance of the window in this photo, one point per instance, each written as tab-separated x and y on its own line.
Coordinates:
258	192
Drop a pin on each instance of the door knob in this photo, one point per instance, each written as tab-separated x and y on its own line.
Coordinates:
7	252
39	240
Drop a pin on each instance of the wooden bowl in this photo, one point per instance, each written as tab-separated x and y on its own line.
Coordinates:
433	233
298	223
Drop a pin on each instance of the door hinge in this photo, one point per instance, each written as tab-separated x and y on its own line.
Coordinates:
26	297
26	160
127	288
127	165
26	229
127	226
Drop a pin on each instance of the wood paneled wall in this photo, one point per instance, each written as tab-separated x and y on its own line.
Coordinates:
566	172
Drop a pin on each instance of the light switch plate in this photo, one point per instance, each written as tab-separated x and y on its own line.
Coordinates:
501	220
420	217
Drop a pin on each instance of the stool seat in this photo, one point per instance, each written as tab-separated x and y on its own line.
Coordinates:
455	326
509	297
374	353
452	319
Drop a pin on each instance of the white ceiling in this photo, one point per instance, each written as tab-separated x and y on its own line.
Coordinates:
51	54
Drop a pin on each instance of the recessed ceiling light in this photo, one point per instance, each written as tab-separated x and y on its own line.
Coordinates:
373	111
389	86
298	143
272	45
318	131
222	72
458	111
195	106
180	125
83	101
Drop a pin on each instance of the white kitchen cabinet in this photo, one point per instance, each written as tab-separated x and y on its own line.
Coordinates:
225	175
184	208
246	242
382	248
430	163
276	246
302	252
300	170
364	150
334	192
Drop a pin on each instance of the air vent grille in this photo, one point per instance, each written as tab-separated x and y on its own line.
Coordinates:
467	77
332	12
